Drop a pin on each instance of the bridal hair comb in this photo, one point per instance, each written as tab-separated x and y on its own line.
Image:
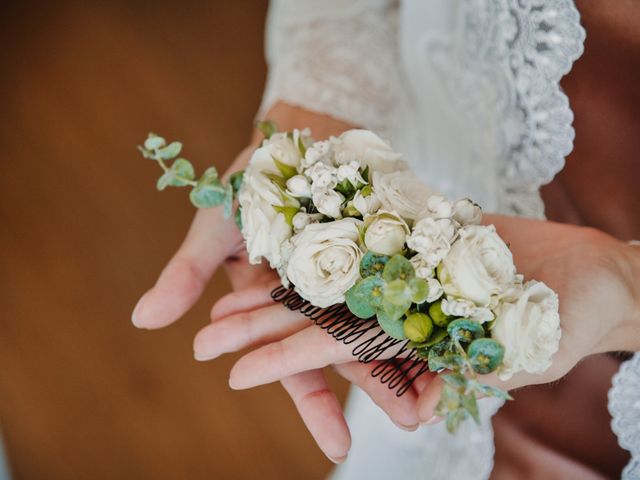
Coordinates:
381	262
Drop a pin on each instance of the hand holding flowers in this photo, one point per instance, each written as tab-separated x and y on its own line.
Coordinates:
486	272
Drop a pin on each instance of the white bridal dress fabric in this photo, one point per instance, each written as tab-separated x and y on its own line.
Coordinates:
468	91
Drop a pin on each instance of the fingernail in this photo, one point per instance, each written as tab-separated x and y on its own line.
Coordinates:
209	344
337	460
406	428
204	356
433	420
136	311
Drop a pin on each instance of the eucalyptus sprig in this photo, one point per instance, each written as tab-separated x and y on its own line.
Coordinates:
462	388
207	191
456	348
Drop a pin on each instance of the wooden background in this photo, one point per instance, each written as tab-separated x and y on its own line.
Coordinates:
84	395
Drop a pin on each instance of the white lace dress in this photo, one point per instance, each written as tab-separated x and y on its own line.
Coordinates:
469	91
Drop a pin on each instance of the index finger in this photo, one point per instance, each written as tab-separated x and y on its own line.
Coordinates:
210	240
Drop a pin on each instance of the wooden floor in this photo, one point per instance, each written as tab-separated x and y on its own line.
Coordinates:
84	395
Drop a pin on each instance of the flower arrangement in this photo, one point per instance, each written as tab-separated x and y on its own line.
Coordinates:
344	220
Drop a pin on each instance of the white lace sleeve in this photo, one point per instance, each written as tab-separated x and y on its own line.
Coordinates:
624	406
333	57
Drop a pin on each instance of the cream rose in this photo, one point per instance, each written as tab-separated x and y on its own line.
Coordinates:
263	229
401	192
528	326
478	266
385	232
280	147
325	261
368	149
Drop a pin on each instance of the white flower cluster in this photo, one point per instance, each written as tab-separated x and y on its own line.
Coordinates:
313	209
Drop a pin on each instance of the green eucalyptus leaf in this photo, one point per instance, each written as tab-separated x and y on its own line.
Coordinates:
456	380
417	327
179	175
165	180
465	330
449	400
398	268
209	192
145	153
454	419
490	391
448	360
267	127
470	404
235	180
485	355
419	290
365	297
170	151
397	293
437	315
437	336
228	200
372	264
391	325
154	142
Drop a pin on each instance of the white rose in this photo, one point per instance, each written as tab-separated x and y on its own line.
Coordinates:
366	205
385	232
299	186
431	238
478	266
328	202
283	148
369	149
263	229
465	212
401	192
325	261
279	146
261	185
528	327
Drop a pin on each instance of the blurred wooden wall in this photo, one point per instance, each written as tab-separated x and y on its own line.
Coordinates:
83	232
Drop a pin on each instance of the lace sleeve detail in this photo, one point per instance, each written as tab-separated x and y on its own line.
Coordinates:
334	57
624	406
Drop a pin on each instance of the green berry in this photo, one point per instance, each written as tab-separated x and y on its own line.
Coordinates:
418	327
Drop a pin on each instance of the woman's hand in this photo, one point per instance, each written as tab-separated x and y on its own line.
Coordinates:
591	271
213	241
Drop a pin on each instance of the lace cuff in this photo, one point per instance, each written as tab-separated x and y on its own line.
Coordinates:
334	57
624	406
